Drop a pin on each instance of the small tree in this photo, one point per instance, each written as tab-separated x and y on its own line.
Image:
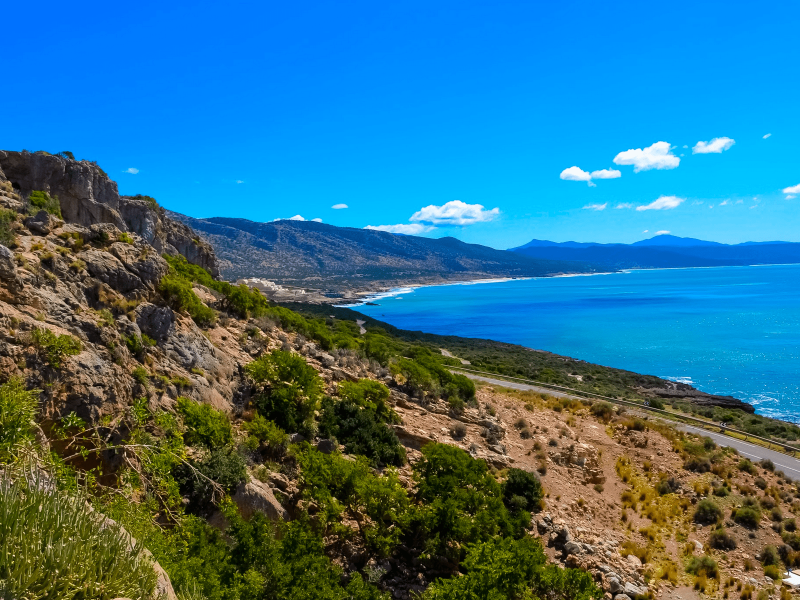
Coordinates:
707	512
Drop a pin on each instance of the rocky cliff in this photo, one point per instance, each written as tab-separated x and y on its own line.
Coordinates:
89	197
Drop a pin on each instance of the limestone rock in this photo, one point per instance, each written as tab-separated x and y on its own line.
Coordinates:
42	223
254	496
158	322
108	269
8	269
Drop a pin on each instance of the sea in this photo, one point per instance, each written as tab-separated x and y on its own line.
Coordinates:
725	330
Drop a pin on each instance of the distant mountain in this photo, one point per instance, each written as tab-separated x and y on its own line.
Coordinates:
665	251
336	259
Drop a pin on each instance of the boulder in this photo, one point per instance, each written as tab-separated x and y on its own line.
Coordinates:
42	224
326	446
254	496
8	268
633	590
108	269
158	322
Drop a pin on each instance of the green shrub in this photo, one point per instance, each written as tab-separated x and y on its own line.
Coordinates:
747	516
289	390
178	293
52	547
461	502
224	466
707	512
721	540
42	201
7	236
205	426
151	202
698	464
703	565
344	487
773	572
501	569
18	408
125	237
362	431
272	439
769	556
767	464
522	490
369	394
141	375
747	466
656	403
55	348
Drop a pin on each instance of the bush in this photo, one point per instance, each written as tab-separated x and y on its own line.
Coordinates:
141	375
224	467
747	466
362	432
522	490
18	408
707	512
773	572
205	426
667	486
747	516
703	566
769	556
369	394
760	483
656	403
603	411
178	293
42	201
52	547
463	503
7	236
721	540
697	464
290	390
273	439
500	569
338	487
458	430
767	464
55	348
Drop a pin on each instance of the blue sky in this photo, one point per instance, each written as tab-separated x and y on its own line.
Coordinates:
269	110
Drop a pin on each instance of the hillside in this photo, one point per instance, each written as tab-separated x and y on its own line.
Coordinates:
665	251
166	435
337	259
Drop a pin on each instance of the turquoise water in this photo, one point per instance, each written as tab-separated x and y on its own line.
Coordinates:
730	330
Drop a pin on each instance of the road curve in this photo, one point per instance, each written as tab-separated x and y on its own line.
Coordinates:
790	466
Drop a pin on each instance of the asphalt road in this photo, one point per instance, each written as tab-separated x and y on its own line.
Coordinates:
790	466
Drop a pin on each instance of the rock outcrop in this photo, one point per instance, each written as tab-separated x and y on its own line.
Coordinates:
87	197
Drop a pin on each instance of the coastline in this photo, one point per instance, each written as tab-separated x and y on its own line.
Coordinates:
389	292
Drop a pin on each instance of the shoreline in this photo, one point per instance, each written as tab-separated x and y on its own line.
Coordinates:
390	292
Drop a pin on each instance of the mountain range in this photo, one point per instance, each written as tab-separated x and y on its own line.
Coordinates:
336	259
664	251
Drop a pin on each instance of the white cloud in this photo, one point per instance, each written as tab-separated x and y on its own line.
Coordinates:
575	174
662	232
239	181
454	212
792	190
596	206
578	174
317	220
339	206
657	156
764	137
697	202
294	218
724	203
131	171
740	202
663	203
624	205
404	228
606	174
791	197
715	146
645	231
